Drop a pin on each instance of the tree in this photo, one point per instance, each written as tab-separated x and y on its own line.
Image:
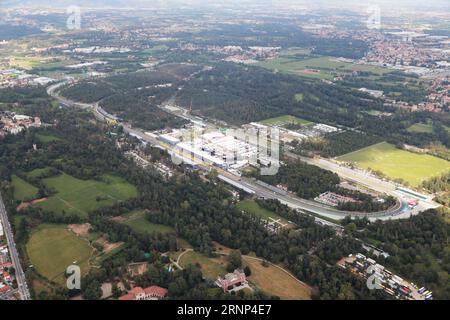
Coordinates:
234	260
116	292
247	271
92	291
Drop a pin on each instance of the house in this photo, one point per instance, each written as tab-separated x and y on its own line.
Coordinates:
232	281
149	293
4	288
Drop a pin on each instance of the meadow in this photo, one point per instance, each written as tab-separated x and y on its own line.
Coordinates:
23	191
274	281
398	164
421	128
52	248
46	138
253	208
326	67
82	196
211	267
138	222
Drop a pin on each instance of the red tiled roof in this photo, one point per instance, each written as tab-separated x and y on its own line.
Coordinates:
128	296
137	290
153	291
156	291
4	288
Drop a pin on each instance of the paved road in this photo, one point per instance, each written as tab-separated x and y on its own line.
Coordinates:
20	275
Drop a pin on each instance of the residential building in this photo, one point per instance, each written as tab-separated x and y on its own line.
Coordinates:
149	293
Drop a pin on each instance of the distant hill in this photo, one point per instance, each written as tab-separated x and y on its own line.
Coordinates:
9	32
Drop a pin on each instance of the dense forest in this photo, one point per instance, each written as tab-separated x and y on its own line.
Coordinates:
306	180
134	96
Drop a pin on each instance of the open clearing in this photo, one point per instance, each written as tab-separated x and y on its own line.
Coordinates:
211	267
398	164
274	281
253	208
138	222
52	248
82	196
284	120
46	138
314	66
23	190
421	128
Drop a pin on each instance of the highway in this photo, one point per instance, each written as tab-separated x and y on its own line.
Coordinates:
400	211
20	275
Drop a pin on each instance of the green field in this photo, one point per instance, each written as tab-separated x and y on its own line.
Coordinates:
284	120
52	248
327	67
398	164
211	267
421	128
46	138
138	222
23	191
82	196
252	207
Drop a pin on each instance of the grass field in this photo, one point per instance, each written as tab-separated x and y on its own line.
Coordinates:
326	66
45	138
284	120
82	196
23	190
421	128
398	164
211	267
274	281
52	248
26	62
138	222
252	207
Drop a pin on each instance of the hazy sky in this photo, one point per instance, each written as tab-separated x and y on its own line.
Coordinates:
237	3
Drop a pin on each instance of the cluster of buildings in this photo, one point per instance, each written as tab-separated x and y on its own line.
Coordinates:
403	53
11	123
17	78
303	132
439	97
333	199
6	278
383	279
149	293
237	54
227	149
98	49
